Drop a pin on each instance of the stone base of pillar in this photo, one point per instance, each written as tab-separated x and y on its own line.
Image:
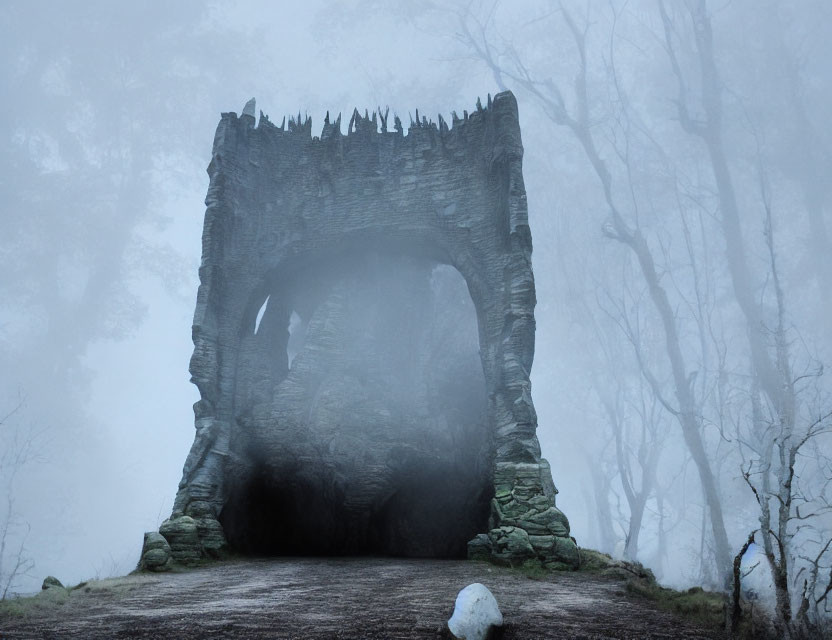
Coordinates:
525	525
183	540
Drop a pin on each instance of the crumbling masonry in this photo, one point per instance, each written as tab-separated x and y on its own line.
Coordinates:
343	447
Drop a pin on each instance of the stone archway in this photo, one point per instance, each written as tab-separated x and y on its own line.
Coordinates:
375	437
282	205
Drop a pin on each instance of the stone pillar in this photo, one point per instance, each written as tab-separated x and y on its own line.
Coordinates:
280	202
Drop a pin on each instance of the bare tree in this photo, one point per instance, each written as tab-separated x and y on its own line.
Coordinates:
634	415
814	592
603	474
736	608
735	394
773	445
643	452
772	372
577	121
771	477
16	450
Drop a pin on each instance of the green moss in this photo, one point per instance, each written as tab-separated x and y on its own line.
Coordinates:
533	569
590	561
707	607
593	561
54	597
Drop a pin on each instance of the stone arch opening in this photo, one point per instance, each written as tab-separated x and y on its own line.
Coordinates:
279	202
375	437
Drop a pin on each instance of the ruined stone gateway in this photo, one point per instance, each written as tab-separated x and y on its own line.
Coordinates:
363	337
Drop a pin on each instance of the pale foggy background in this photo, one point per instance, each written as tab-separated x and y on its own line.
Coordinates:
109	110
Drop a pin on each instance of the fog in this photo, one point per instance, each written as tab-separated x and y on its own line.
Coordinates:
679	199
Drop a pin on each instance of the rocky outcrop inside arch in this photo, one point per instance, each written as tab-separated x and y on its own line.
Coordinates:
363	337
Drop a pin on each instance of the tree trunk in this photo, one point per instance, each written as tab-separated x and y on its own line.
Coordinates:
736	608
636	518
687	414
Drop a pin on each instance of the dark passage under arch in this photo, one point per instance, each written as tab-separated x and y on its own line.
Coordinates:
375	438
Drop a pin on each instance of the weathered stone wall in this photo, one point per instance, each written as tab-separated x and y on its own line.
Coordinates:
281	203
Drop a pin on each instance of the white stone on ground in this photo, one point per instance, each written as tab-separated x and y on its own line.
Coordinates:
475	612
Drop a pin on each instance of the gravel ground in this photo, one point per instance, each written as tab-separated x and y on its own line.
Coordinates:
371	598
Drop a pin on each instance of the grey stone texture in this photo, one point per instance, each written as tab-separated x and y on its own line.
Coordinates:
50	582
307	229
156	552
182	535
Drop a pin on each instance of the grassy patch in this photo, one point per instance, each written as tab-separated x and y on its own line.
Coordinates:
590	562
533	570
42	602
53	598
595	561
703	606
178	567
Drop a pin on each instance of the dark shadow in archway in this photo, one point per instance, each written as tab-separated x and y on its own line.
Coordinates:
375	438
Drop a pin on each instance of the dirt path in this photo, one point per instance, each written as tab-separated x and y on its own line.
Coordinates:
342	598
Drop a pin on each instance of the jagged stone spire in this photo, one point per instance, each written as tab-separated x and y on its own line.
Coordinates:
248	110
